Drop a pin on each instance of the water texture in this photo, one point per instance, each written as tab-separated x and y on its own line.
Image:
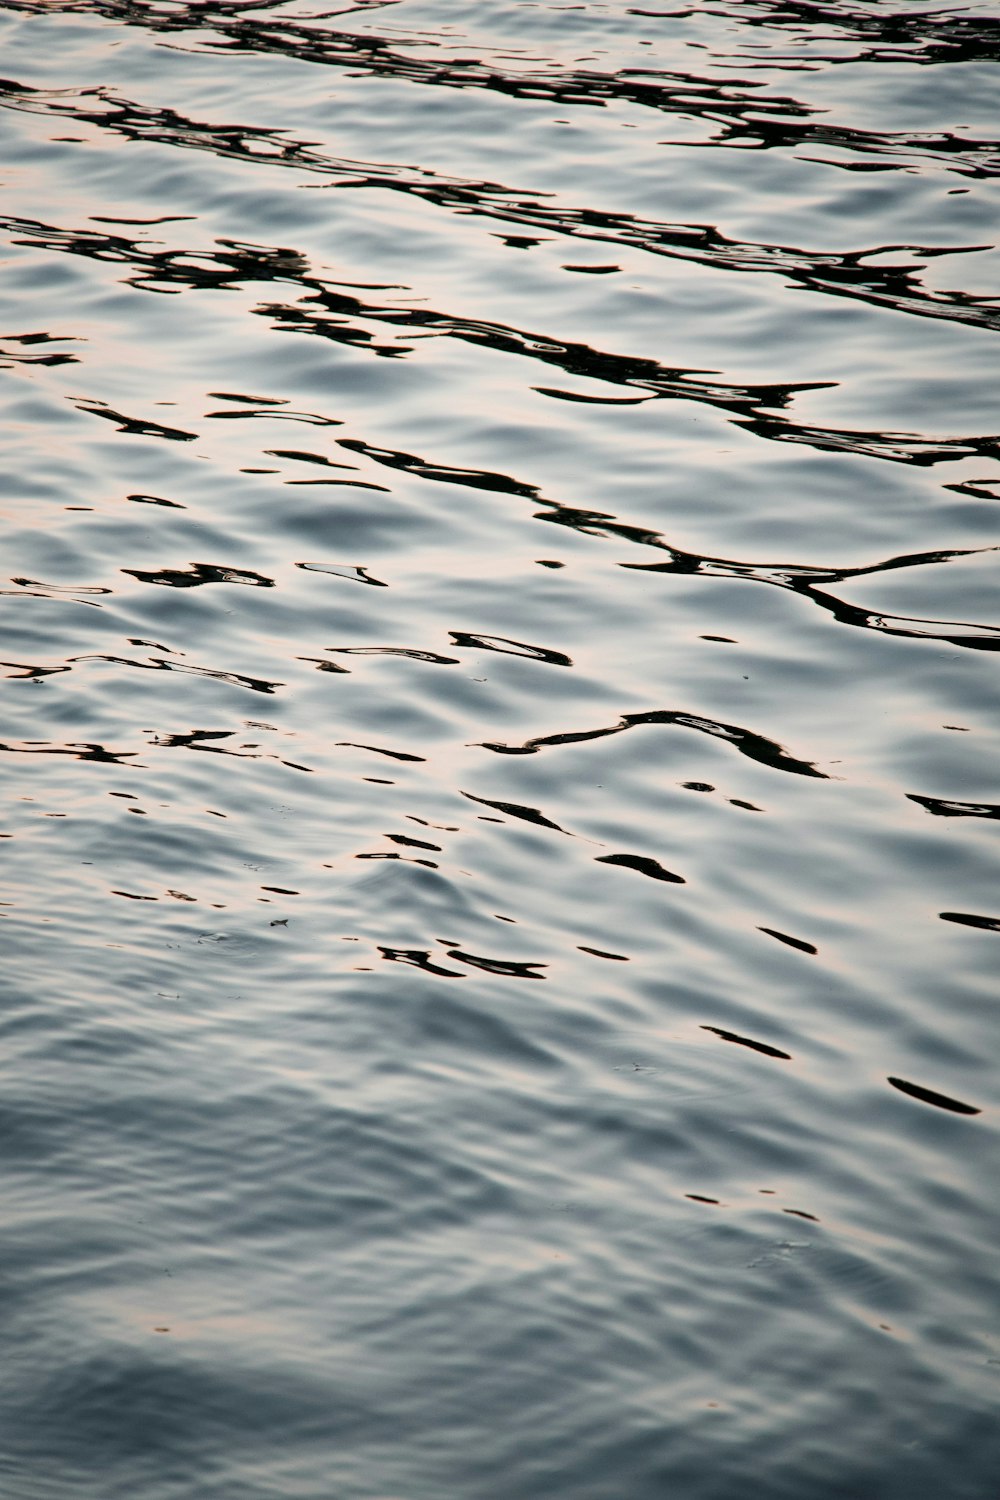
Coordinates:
558	1062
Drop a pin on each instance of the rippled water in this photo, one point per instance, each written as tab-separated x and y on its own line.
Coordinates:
557	1062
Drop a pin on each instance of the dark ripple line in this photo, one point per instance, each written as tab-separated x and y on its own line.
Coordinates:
519	810
86	750
792	942
506	647
971	919
842	275
198	574
419	958
930	37
800	579
59	595
941	807
804	581
413	652
643	865
752	406
930	1096
10	358
746	1041
139	426
405	859
756	746
356	573
23	669
511	968
60	588
160	664
380	750
797	578
195	739
755	408
740	118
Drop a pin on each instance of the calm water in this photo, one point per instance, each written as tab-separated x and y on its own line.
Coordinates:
501	928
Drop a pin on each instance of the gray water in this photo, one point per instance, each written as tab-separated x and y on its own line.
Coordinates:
556	1063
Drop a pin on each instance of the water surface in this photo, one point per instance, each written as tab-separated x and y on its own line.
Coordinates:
504	498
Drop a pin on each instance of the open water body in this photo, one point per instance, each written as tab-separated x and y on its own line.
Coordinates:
500	925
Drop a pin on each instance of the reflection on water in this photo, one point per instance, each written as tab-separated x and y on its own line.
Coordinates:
555	327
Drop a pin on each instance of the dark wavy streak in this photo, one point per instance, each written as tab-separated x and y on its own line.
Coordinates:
731	109
643	864
323	666
198	574
232	265
749	405
755	746
746	403
160	664
916	38
941	807
411	843
60	588
902	448
21	670
356	573
414	653
60	595
9	358
965	157
789	941
931	1096
379	750
752	407
842	275
507	647
520	811
410	463
971	919
196	739
952	632
419	958
796	578
138	426
805	582
510	968
746	1041
83	751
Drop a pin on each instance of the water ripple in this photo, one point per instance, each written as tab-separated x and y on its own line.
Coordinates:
708	292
